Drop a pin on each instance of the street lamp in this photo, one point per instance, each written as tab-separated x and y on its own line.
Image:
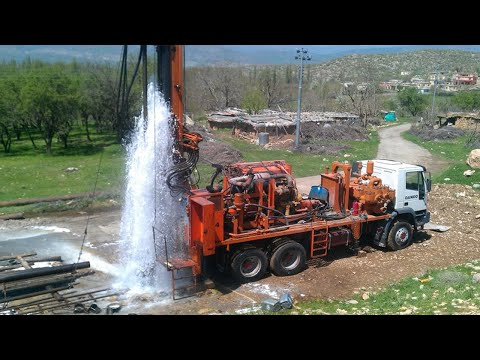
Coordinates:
302	55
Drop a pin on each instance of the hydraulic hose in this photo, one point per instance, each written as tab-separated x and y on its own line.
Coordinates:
268	208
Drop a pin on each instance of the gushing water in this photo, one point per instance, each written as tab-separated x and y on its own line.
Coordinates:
148	201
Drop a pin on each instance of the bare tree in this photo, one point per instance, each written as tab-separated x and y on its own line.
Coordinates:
229	83
271	87
362	100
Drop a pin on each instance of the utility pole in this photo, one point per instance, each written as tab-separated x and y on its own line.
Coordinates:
434	92
302	56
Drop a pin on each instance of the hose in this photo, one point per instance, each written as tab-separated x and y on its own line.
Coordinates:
219	169
268	208
181	169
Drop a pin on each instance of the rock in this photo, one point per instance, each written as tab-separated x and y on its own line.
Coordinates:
189	120
369	249
406	312
476	278
203	311
365	296
353	302
477	216
474	159
476	186
209	284
341	312
468	172
361	253
460	194
446	179
71	169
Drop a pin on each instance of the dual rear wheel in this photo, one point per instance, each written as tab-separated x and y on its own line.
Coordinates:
251	264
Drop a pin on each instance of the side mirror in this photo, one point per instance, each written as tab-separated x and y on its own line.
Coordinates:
428	180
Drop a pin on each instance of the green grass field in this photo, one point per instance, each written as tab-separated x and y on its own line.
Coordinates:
453	151
27	173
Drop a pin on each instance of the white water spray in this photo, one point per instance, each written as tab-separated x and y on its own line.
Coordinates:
147	198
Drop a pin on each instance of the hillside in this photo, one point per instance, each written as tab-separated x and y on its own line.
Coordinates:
200	55
389	66
52	53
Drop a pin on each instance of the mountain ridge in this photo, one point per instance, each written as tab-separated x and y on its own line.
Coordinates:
201	55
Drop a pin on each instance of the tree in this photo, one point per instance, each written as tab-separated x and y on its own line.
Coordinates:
325	93
288	74
254	101
390	104
467	100
10	106
363	100
5	117
270	86
51	98
229	83
412	101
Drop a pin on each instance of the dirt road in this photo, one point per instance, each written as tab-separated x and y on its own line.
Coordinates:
393	147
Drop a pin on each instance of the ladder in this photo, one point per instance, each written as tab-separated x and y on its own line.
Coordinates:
319	243
178	268
182	270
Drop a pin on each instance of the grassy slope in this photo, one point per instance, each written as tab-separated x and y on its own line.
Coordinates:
453	151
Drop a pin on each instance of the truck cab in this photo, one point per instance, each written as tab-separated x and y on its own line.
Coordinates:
411	184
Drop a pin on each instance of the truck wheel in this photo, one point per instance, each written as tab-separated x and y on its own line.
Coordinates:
400	236
288	259
249	265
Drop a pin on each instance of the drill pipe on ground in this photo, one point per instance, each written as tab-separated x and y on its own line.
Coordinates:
31	273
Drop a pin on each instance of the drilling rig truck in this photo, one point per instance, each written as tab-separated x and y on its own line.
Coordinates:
251	219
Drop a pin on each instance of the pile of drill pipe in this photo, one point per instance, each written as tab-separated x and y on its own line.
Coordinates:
24	283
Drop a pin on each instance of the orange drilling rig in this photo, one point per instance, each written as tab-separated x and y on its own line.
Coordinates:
251	218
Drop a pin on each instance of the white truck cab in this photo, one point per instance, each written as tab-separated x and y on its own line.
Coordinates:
412	184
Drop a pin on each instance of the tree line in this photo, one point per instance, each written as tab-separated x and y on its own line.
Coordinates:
255	88
37	97
275	87
40	98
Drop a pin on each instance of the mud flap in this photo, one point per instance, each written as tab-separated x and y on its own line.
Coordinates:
380	238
